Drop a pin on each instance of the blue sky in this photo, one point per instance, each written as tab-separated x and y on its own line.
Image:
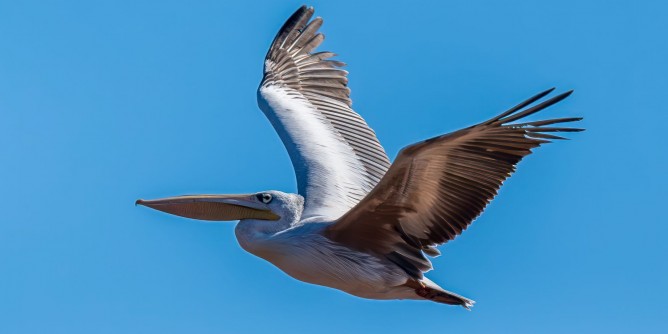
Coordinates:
103	103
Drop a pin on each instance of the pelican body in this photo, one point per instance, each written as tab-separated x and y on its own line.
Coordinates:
360	224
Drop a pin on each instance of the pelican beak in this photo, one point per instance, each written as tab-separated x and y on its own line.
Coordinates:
212	207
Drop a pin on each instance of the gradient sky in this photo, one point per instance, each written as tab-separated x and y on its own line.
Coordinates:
106	102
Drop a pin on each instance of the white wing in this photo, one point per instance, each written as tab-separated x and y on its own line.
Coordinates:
336	156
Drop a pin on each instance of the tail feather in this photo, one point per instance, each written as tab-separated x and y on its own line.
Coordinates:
444	297
431	291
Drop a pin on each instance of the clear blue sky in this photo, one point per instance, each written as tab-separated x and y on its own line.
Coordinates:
102	103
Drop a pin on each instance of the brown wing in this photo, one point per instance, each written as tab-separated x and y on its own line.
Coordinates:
436	188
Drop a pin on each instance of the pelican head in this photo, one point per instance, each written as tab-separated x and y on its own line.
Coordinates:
272	208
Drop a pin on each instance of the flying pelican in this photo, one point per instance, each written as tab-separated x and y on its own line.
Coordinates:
360	224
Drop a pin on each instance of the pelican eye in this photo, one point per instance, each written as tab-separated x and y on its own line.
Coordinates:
264	198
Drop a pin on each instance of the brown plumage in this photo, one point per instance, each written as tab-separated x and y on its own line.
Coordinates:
437	187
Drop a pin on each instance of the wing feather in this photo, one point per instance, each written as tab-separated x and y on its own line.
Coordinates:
336	155
436	188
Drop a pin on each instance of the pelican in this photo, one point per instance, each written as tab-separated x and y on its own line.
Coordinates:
358	223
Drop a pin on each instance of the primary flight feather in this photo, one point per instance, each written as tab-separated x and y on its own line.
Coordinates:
360	224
